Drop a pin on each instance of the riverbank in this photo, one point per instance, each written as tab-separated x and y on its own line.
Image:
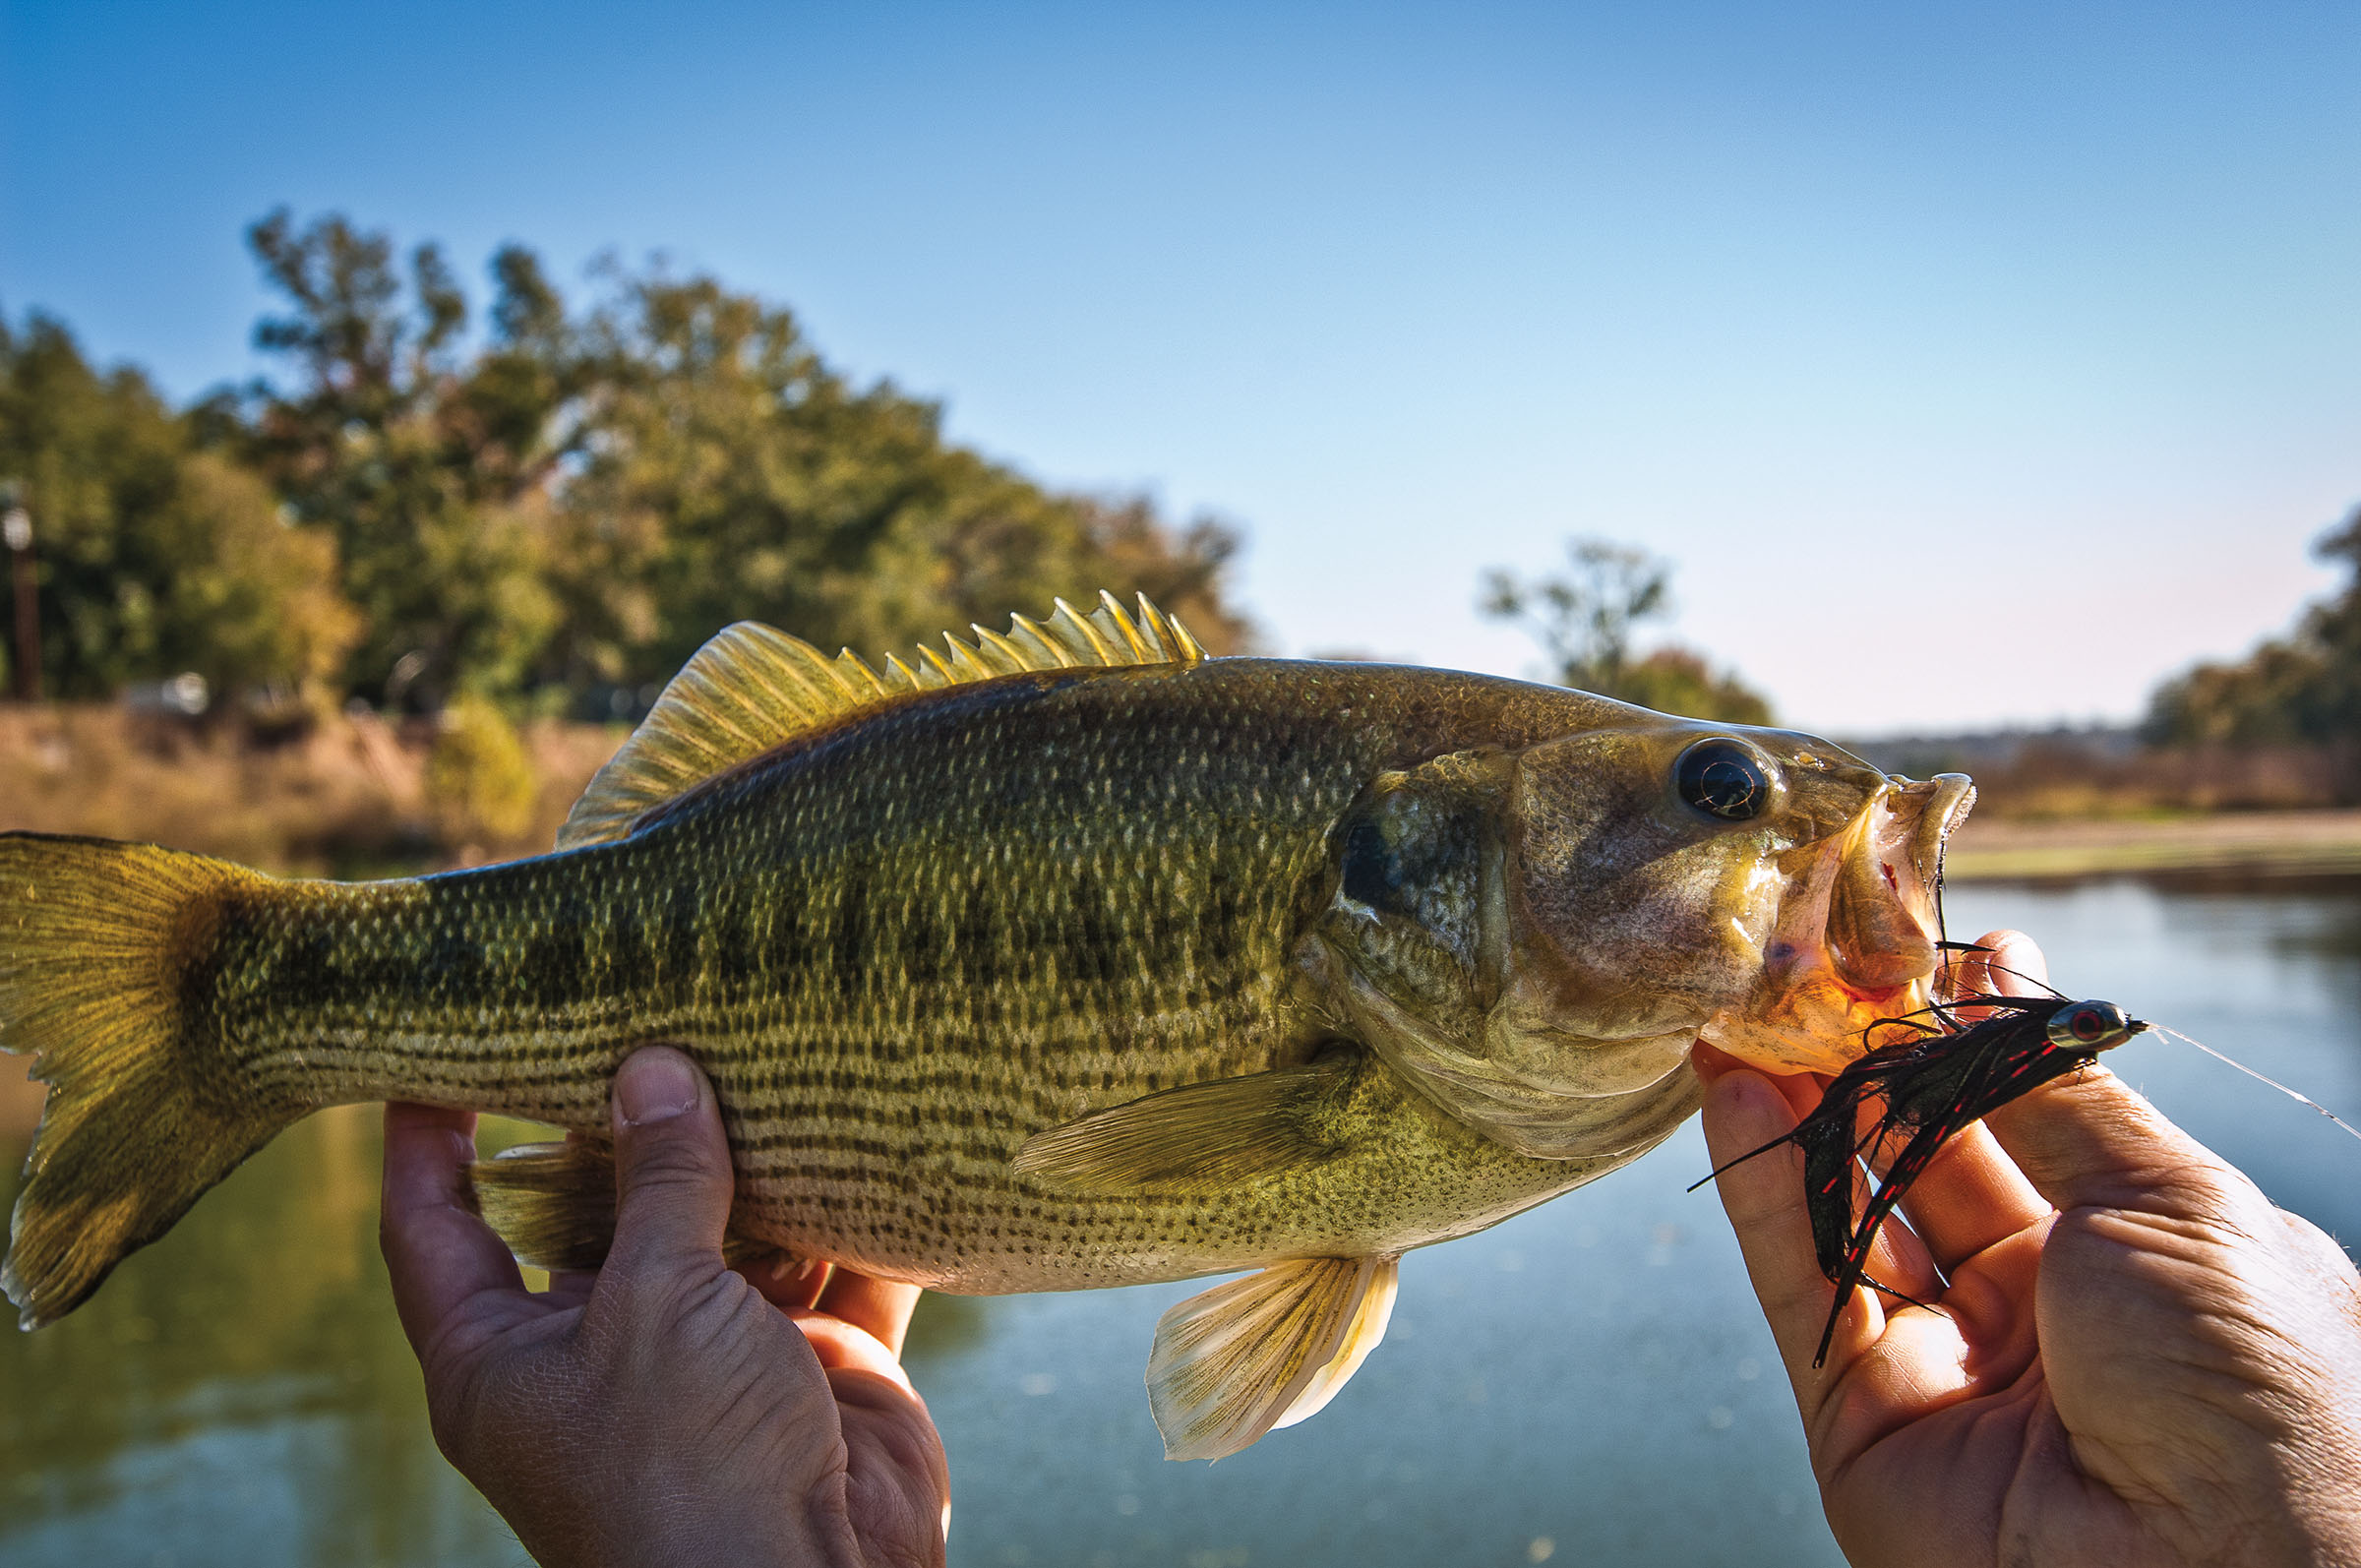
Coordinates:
2263	843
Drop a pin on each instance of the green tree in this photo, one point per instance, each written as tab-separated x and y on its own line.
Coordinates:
155	556
2303	689
1585	621
424	468
733	473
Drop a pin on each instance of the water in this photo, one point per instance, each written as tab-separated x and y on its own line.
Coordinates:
1590	1382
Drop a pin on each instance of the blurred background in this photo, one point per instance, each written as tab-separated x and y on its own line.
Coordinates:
392	398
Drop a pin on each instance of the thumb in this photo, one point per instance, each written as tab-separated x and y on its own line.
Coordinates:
672	1165
2090	1140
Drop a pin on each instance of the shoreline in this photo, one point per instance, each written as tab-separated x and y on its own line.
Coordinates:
2263	843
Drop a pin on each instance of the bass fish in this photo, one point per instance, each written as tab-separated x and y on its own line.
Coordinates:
1064	958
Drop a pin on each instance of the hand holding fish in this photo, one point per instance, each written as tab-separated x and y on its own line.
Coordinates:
2128	1354
661	1410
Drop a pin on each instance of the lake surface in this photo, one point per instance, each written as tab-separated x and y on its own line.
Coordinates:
1589	1382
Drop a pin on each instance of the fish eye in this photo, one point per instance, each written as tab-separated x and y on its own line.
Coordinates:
1724	778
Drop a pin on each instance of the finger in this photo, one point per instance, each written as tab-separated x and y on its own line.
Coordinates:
1801	1090
2011	965
438	1253
1899	1262
847	1347
897	1480
672	1169
570	1285
2088	1140
1970	1196
879	1308
1765	1200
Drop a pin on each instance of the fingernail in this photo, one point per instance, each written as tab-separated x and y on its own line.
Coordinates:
654	1086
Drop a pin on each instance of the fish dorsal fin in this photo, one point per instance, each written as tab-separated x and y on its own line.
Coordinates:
1202	1138
1232	1363
751	688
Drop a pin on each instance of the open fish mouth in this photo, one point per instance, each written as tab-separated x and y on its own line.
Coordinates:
1855	944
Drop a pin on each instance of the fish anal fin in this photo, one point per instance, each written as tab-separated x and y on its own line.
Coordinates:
753	687
1199	1137
1361	1334
1232	1363
552	1203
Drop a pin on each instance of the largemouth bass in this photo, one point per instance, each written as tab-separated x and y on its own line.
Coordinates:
1059	959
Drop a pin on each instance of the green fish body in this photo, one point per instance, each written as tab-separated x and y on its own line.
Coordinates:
1073	959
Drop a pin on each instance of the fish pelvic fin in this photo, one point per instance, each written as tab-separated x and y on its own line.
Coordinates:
753	687
1232	1363
97	941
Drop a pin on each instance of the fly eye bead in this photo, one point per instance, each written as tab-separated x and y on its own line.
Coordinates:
1724	779
2090	1025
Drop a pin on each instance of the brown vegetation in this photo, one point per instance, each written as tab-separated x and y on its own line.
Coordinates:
353	794
2071	776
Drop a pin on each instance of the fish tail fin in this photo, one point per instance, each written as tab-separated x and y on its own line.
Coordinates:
97	941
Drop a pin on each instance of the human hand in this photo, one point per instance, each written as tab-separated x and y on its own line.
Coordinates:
662	1410
2136	1359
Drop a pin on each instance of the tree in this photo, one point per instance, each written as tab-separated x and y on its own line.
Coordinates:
1585	621
155	558
2303	689
420	466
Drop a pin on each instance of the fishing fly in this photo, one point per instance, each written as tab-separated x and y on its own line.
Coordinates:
1929	1085
1947	1074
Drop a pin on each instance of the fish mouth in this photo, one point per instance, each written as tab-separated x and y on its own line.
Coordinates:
1853	948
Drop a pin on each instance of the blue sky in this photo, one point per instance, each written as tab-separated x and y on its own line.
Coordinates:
1977	364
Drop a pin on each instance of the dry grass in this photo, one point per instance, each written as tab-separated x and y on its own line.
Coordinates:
347	796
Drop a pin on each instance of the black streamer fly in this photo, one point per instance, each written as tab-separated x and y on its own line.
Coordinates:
1951	1073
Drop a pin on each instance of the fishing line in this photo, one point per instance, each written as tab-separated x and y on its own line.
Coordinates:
2261	1078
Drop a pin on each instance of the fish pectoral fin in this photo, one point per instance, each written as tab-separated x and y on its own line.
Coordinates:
552	1203
1200	1137
1232	1363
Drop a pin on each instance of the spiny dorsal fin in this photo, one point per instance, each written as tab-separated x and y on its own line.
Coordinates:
1267	1351
753	687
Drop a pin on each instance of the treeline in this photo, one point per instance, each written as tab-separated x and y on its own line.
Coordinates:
548	509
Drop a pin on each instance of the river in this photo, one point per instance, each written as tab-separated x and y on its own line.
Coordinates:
1590	1382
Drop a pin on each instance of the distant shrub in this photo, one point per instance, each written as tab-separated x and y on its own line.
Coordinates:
480	786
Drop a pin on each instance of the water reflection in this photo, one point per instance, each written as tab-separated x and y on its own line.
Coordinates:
239	1392
1590	1382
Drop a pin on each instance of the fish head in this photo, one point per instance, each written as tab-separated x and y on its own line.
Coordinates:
1537	936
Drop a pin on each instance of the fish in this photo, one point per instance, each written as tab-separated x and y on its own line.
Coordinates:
1053	959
